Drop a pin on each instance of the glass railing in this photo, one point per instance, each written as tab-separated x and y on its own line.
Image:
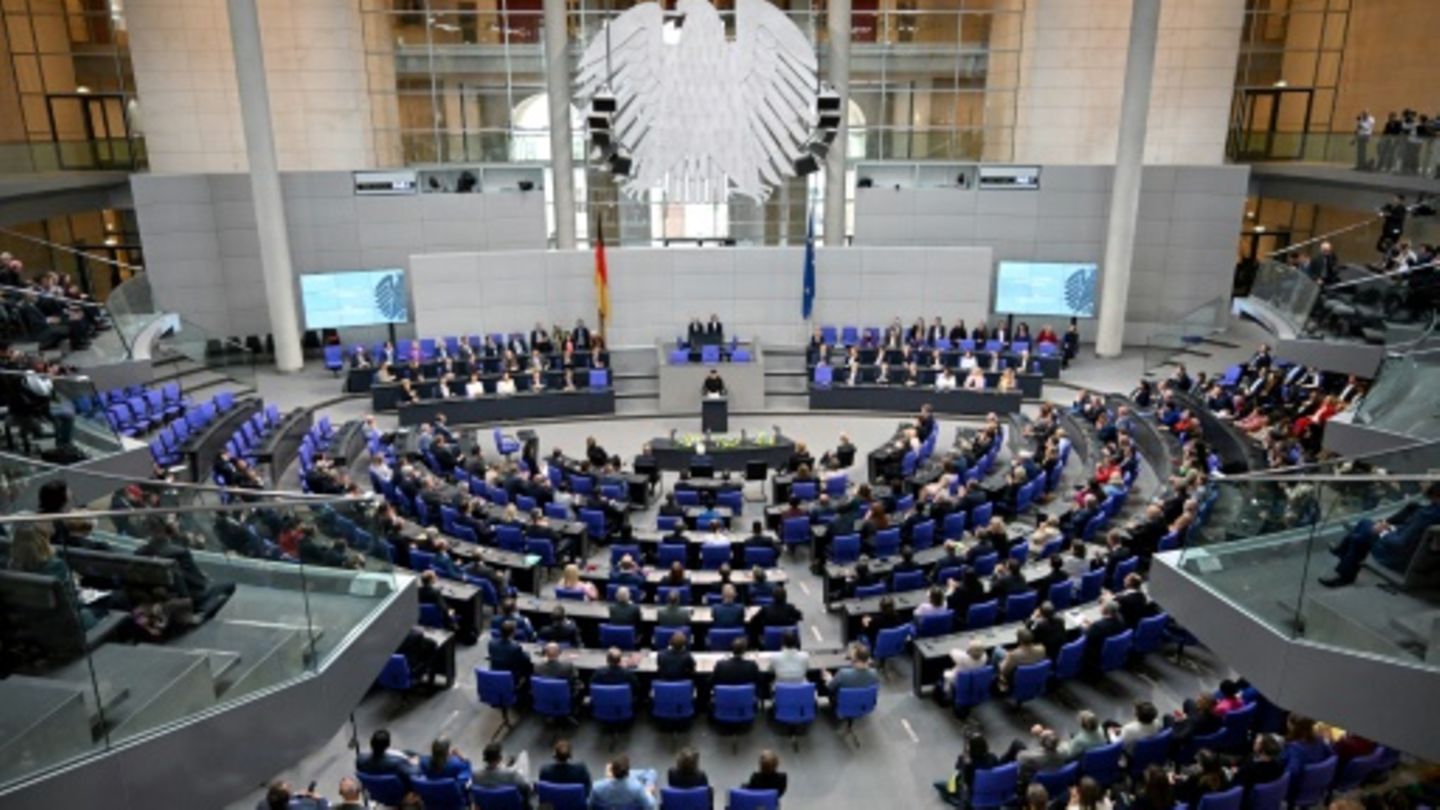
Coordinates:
161	606
1402	399
135	315
1387	154
1288	290
1271	540
1179	331
47	416
100	154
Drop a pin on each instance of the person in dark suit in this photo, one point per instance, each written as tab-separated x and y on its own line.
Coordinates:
561	629
615	673
737	670
769	776
714	329
728	613
1134	604
506	654
381	761
558	668
623	611
779	613
695	332
206	598
1054	576
759	539
1109	624
675	663
581	335
687	773
1048	628
1008	581
564	772
540	339
673	614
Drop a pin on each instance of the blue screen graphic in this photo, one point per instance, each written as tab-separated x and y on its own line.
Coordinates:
1046	288
360	298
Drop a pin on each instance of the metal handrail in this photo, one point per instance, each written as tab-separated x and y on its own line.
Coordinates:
1325	236
292	499
1290	473
31	292
1355	282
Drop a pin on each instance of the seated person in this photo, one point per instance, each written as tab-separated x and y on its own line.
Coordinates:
499	771
1393	541
381	761
445	762
564	772
975	380
858	675
623	790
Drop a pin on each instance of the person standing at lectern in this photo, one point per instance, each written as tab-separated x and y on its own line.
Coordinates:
713	386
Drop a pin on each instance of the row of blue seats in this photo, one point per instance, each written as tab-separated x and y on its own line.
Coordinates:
134	410
251	433
855	336
167	448
425	349
710	355
316	440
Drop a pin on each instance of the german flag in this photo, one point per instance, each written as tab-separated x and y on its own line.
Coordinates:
602	275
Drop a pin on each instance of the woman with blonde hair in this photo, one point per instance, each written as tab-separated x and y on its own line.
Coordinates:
32	553
570	578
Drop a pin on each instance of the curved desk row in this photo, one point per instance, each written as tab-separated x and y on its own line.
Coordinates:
282	444
643	663
1031	385
202	448
1238	452
960	402
387	396
510	408
358	380
674	456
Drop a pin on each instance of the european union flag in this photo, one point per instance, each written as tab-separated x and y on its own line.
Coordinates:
807	297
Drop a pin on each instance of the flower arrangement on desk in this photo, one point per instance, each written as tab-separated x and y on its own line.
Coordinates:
692	441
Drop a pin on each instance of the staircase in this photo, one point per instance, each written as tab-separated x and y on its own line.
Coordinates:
786	379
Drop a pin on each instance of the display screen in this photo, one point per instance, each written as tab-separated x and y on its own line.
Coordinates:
1046	288
358	298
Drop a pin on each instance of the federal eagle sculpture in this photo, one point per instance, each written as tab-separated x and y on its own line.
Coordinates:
700	115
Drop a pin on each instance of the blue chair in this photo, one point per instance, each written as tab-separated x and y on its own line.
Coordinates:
505	445
685	798
1237	727
498	798
1070	661
805	490
1153	750
599	378
1030	682
985	566
612	706
734	706
1061	594
662	593
1091	583
335	358
980	515
1271	795
1150	633
994	787
890	643
617	635
672	701
570	594
923	535
907	581
887	543
551	698
774	635
972	688
795	531
1019	606
935	624
560	797
388	790
982	614
662	635
795	707
954	526
496	689
1123	569
760	557
1116	650
714	555
742	799
441	794
844	549
594	521
1058	782
1102	764
1357	770
670	553
720	639
1313	784
1224	800
851	704
868	591
824	376
396	675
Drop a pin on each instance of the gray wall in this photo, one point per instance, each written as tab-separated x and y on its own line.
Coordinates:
202	250
655	291
1185	243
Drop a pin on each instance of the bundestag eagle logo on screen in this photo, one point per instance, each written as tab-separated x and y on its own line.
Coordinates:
1080	290
390	297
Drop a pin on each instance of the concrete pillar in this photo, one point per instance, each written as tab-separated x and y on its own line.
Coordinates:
557	92
265	184
838	24
1125	190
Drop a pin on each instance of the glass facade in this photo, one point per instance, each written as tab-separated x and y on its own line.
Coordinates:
454	82
67	93
1287	78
